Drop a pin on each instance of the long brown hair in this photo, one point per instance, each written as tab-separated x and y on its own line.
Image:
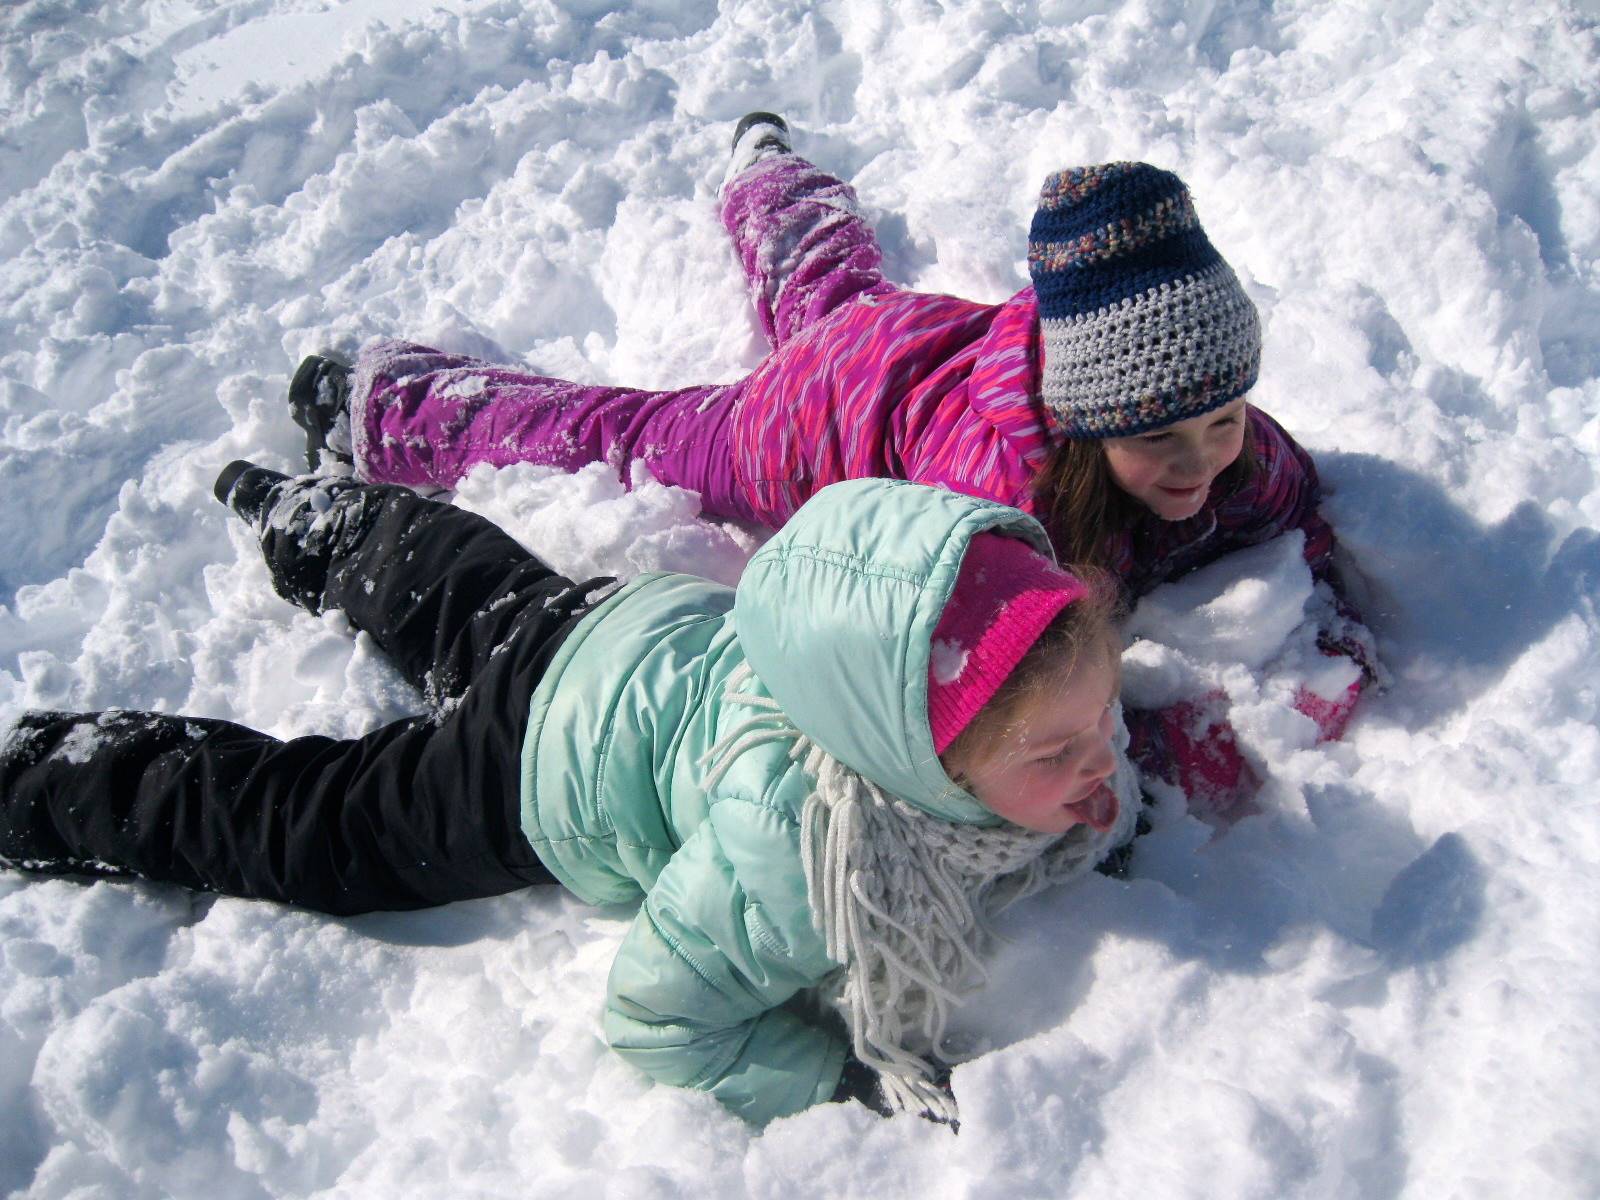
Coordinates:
1083	508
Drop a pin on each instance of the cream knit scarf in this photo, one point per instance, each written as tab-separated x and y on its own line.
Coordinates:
904	900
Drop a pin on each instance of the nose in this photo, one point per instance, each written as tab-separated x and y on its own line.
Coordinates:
1101	761
1191	465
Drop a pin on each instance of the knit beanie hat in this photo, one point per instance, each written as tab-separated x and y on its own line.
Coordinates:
1006	593
1144	324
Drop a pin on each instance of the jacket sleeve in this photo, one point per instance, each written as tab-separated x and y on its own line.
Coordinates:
984	435
971	456
723	940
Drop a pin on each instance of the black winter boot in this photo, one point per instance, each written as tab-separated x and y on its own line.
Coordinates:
319	402
774	138
247	489
758	135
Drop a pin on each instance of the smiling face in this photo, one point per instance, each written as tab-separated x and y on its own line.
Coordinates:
1049	770
1170	470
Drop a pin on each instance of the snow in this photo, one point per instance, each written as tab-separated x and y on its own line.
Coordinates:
947	660
1382	984
1238	609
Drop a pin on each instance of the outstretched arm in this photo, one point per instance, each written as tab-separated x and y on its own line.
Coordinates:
723	940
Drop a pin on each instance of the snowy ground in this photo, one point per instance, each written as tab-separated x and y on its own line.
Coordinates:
1384	984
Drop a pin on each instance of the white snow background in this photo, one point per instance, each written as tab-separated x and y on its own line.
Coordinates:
1384	983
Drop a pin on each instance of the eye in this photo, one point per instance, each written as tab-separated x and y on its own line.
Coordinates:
1061	755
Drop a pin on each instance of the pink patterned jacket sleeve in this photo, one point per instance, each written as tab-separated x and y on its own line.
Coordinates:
902	384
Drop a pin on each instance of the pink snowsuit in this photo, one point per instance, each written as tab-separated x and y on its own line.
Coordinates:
866	379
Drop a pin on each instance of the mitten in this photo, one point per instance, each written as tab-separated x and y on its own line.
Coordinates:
860	1082
1332	705
1191	746
1331	716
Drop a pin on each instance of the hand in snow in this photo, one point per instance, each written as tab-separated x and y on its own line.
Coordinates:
860	1082
1332	716
1191	746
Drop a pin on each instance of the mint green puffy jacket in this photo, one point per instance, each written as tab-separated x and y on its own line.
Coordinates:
835	616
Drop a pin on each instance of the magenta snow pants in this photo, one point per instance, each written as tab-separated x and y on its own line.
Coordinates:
422	417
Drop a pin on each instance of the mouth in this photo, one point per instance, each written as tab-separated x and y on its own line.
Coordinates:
1187	493
1098	809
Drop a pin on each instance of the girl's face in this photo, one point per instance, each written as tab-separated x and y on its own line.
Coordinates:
1051	774
1170	470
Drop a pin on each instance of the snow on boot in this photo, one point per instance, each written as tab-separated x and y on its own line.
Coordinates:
247	489
319	402
304	523
758	135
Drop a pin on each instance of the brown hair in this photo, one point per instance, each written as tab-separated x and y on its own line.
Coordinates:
1084	626
1084	509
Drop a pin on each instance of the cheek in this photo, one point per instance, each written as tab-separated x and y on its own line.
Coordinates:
1048	783
1133	472
1228	449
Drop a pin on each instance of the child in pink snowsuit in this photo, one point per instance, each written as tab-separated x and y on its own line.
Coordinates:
866	379
1125	364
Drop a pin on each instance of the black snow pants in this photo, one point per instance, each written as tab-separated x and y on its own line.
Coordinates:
422	811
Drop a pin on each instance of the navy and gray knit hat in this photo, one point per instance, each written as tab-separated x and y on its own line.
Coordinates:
1143	322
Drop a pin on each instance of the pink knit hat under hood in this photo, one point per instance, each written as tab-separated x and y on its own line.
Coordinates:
1006	594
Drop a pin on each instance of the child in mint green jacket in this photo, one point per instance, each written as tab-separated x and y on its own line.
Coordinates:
819	785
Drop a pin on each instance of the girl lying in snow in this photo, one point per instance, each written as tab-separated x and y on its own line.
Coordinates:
820	784
1108	399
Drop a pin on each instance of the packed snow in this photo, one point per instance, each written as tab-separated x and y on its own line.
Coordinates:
1385	982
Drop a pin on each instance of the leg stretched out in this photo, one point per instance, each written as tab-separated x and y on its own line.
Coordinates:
422	811
425	418
441	590
798	232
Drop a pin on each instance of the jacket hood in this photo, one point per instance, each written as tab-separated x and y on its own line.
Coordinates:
836	615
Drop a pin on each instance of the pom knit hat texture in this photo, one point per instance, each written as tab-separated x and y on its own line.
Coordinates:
1006	593
1143	322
